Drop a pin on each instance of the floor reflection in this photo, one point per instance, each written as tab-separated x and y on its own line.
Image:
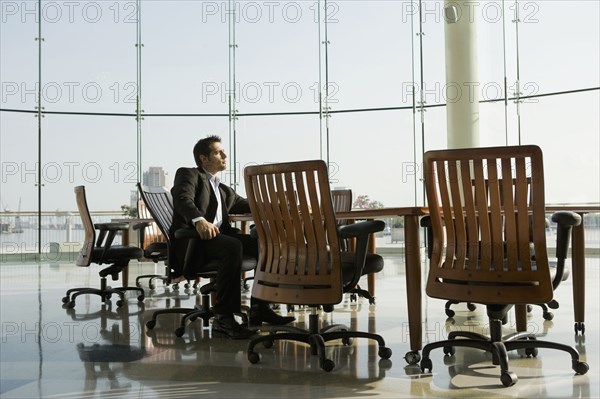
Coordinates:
97	350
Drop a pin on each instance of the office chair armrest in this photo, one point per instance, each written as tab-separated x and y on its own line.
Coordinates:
142	228
426	222
361	231
112	228
565	221
365	228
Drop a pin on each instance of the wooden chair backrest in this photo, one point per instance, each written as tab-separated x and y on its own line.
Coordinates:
89	238
299	255
159	203
342	202
487	212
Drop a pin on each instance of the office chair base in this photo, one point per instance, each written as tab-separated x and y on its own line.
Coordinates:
105	292
523	342
151	280
315	338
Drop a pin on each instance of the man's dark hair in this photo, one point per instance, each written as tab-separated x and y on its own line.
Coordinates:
202	147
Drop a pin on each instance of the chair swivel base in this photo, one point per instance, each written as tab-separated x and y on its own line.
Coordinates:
499	349
105	292
315	338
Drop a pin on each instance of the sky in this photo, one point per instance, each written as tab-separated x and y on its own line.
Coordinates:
369	53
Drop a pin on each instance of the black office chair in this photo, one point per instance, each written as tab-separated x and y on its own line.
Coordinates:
154	245
300	261
100	249
160	206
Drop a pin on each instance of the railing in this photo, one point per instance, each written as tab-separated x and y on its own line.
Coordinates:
59	231
63	231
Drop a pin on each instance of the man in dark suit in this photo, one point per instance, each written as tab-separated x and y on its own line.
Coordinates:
196	204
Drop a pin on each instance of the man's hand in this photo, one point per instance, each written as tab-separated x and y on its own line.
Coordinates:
206	230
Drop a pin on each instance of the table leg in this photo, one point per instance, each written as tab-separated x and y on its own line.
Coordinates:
521	317
125	271
412	256
578	254
371	276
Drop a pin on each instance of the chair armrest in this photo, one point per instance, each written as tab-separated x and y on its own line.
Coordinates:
565	221
361	231
141	226
426	222
191	235
362	228
111	228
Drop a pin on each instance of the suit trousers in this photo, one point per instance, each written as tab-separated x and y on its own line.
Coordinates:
228	251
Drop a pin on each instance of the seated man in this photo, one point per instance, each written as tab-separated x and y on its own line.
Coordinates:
200	200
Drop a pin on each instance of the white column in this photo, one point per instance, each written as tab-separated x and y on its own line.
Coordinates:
462	80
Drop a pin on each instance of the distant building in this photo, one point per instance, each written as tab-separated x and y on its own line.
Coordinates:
155	176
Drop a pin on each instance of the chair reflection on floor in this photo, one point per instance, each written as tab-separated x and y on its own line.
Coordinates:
104	358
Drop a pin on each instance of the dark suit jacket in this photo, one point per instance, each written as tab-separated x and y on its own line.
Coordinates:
193	197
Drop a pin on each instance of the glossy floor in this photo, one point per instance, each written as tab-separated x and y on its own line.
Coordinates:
48	351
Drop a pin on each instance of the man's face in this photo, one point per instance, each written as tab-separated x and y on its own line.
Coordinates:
216	161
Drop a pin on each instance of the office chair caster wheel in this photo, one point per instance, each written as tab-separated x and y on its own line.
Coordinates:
120	303
353	298
150	324
179	331
531	352
347	341
65	299
579	326
372	301
471	307
141	298
327	364
151	286
553	304
426	364
138	284
529	308
508	378
412	357
580	367
253	357
71	304
449	350
384	352
450	313
548	316
268	344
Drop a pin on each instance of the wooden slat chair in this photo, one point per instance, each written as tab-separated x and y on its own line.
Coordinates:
482	238
99	249
553	304
300	261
